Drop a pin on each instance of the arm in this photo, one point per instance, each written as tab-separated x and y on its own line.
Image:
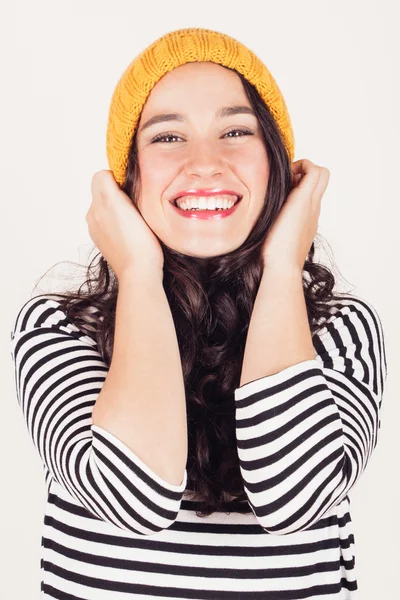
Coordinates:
59	374
143	401
307	426
278	325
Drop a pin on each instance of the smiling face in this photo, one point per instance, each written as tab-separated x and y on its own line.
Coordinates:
203	150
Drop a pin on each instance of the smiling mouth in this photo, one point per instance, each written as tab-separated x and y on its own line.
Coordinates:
238	198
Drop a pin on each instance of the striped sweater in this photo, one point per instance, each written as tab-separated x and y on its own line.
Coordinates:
114	529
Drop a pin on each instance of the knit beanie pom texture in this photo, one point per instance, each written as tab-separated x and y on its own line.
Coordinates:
168	52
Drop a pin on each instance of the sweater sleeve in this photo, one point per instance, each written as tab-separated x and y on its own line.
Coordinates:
305	434
59	373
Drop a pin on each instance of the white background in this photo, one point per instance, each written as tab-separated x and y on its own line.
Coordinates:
337	65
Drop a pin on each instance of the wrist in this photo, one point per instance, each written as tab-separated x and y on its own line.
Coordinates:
141	272
282	269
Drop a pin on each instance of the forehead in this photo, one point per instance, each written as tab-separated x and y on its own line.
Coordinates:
195	85
199	70
198	76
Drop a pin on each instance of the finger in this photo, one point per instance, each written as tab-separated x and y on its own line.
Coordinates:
108	183
302	166
322	183
103	183
310	178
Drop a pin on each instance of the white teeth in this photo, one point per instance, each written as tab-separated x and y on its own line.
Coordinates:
206	203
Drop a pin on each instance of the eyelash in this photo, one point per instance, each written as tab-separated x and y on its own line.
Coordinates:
161	137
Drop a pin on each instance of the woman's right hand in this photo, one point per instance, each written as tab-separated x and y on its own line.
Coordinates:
118	229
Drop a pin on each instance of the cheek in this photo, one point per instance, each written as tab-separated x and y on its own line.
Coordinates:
260	168
155	177
260	164
250	162
252	157
255	175
154	172
254	171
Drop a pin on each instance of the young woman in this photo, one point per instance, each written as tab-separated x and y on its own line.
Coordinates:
204	407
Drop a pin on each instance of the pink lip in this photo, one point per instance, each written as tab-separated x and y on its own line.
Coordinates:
204	192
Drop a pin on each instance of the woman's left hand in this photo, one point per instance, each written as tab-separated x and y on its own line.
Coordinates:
290	238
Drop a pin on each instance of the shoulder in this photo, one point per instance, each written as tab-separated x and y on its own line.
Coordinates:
45	313
350	311
352	340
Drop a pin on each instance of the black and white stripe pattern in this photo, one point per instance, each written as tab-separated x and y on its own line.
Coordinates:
114	529
59	376
305	434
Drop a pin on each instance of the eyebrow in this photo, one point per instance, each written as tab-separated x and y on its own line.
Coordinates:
225	111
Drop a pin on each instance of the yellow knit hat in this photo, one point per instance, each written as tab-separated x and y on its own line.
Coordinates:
168	52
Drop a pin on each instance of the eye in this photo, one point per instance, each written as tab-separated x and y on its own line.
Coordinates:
160	138
243	131
164	136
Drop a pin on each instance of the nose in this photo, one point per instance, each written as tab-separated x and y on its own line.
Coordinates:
204	159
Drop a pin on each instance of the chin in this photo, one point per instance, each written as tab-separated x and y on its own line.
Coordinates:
201	255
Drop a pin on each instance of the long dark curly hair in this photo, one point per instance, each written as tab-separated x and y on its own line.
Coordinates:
211	301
